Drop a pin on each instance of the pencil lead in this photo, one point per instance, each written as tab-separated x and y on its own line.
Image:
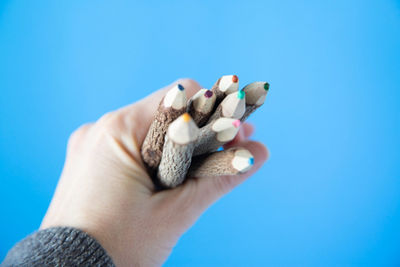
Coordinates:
176	97
236	123
251	161
266	86
235	79
186	117
208	94
241	94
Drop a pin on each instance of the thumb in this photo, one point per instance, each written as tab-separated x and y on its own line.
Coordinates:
191	199
210	189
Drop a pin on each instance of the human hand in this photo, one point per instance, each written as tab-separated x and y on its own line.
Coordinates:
105	190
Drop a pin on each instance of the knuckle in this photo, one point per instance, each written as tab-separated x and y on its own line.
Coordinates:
109	122
78	134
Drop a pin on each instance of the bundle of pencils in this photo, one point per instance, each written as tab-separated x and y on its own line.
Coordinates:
183	138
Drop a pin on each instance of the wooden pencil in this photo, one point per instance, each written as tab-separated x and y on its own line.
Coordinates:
171	107
216	134
255	96
201	105
233	106
227	162
177	152
225	85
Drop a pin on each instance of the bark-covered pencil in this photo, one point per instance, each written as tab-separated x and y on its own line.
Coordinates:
255	97
227	162
201	106
216	134
225	85
171	107
177	151
233	106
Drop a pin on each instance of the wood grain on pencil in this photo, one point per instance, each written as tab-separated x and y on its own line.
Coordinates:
228	162
171	107
256	93
201	105
177	151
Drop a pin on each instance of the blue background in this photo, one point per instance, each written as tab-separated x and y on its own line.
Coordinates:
330	194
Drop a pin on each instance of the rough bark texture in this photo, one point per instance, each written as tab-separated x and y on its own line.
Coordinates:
219	95
207	141
216	115
153	143
175	162
215	164
199	118
249	110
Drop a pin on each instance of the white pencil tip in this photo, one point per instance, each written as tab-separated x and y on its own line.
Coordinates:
243	160
256	93
183	130
226	129
229	84
176	97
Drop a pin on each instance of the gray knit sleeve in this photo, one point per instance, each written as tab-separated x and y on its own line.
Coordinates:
58	246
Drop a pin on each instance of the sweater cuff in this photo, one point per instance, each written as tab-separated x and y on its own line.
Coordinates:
58	246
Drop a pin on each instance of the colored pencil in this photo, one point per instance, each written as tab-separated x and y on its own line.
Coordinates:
177	152
227	162
171	107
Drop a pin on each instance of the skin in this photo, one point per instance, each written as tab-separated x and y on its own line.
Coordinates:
104	188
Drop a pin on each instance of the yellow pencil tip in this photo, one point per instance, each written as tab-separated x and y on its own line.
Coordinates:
186	117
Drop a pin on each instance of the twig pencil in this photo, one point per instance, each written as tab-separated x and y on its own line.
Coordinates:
177	152
216	134
255	97
233	106
228	162
171	107
225	85
201	105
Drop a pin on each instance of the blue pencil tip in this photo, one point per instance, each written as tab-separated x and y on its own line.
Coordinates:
180	87
251	161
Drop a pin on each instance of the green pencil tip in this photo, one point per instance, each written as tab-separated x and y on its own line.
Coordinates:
241	94
266	86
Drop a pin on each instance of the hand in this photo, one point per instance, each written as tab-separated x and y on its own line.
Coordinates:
104	188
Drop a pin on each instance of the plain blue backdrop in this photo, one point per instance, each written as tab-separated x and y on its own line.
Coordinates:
330	193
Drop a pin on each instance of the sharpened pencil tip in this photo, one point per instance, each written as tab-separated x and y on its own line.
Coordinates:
241	94
208	94
235	79
186	117
251	161
266	86
236	123
180	87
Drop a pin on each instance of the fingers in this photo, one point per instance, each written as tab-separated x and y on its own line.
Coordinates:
212	188
196	195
